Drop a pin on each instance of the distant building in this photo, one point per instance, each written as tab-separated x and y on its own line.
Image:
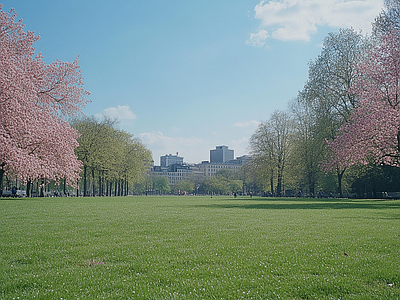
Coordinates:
221	158
221	154
177	172
209	169
167	160
173	167
242	159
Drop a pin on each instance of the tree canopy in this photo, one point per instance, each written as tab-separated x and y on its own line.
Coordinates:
35	98
110	154
373	133
346	118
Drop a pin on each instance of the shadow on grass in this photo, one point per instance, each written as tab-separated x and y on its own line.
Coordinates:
14	199
304	203
28	198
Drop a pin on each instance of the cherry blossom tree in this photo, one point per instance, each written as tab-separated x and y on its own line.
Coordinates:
36	142
388	19
373	131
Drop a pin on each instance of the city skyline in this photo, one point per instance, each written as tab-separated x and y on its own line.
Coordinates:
217	155
186	76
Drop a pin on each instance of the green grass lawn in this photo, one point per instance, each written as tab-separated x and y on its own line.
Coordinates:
199	248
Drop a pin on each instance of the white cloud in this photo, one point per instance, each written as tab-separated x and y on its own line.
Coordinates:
299	19
193	149
247	127
258	39
253	124
121	112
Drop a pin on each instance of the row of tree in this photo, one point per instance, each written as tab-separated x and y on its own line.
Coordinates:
343	128
225	182
113	160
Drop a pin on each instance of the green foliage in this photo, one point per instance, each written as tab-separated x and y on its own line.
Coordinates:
111	154
183	186
213	185
199	248
325	103
271	148
223	183
254	178
161	185
372	179
289	148
236	186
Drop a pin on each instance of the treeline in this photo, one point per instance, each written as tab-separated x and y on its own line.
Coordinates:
225	182
113	160
301	148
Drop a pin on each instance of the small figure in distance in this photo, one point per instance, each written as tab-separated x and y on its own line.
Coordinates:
14	192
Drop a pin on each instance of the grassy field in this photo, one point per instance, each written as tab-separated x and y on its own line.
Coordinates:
199	248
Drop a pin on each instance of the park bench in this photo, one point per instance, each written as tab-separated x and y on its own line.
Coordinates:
19	194
393	195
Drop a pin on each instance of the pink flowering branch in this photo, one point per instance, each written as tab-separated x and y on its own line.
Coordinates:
35	140
374	129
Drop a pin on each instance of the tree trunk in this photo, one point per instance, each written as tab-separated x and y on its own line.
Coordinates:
93	186
77	189
1	181
272	185
279	187
311	186
340	177
28	189
84	181
42	189
279	184
100	186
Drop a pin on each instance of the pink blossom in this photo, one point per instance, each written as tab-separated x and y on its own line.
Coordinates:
373	132
35	97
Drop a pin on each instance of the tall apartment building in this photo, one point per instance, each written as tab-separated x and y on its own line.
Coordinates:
221	154
167	160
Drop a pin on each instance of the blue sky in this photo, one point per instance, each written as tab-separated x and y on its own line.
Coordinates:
186	76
